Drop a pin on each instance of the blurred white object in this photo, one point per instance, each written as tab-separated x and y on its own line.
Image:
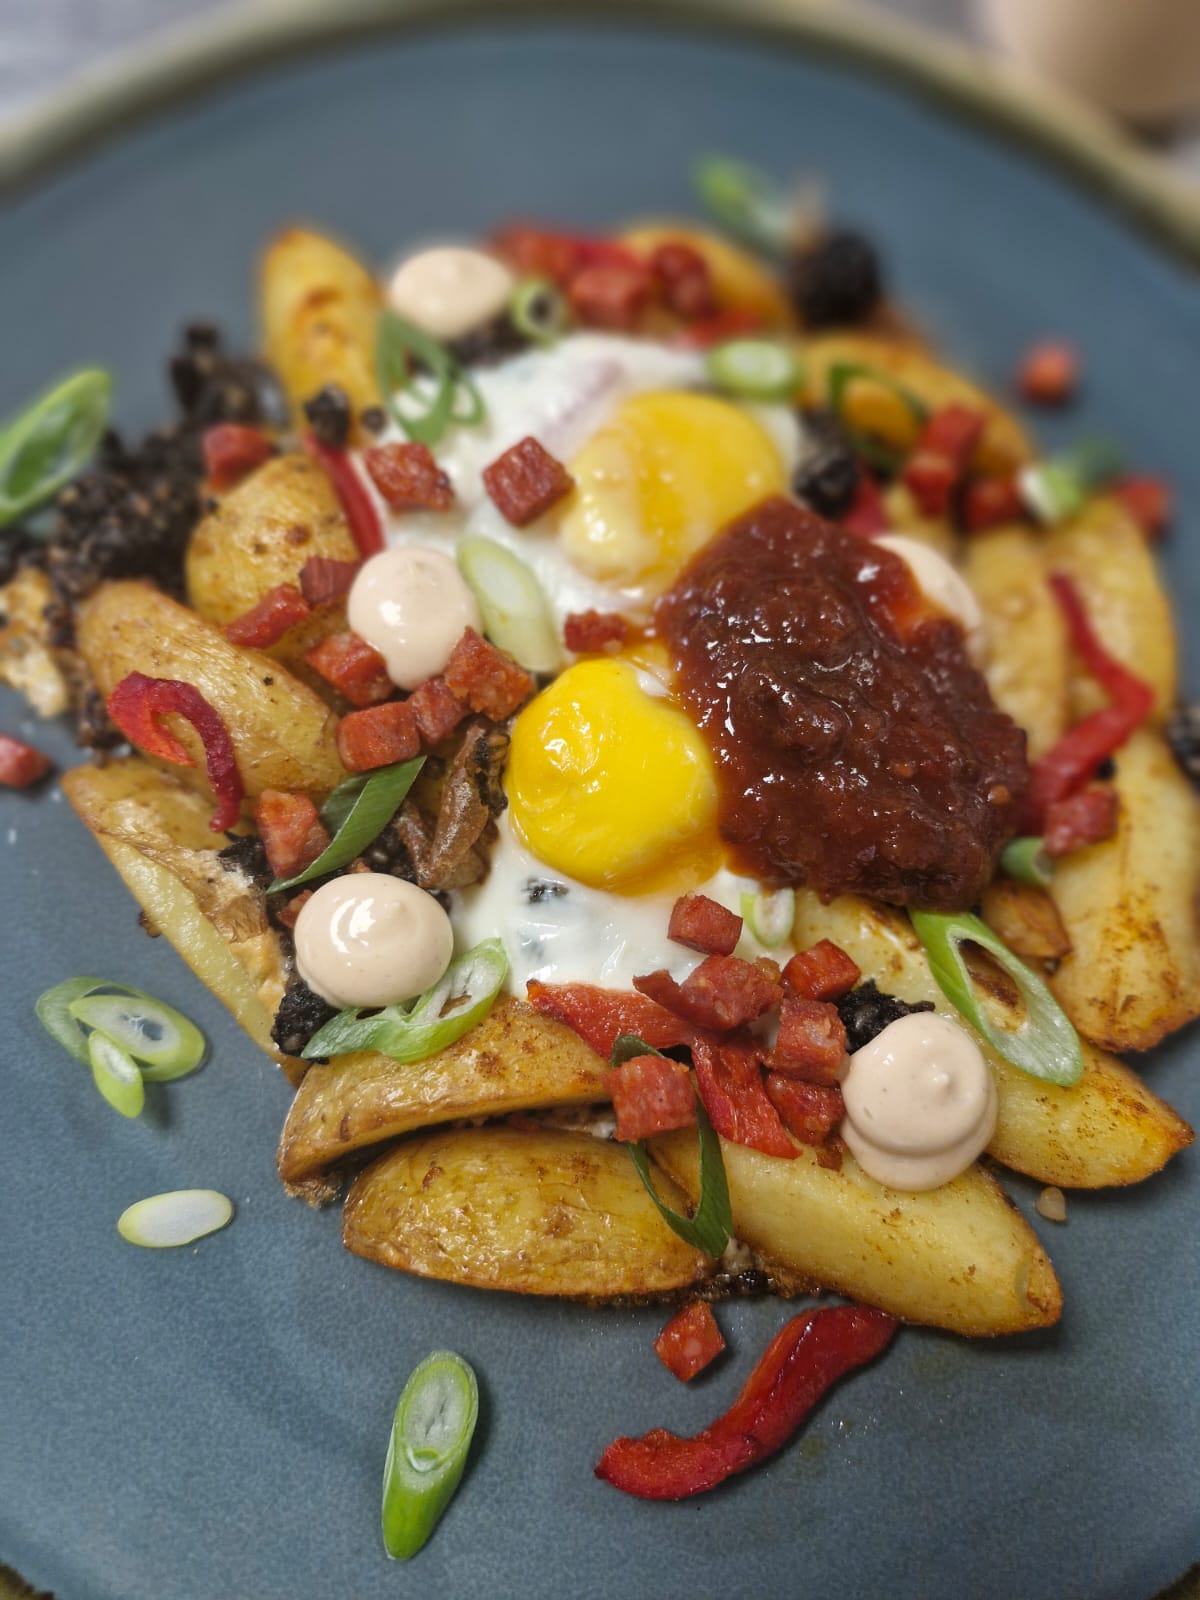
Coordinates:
1137	58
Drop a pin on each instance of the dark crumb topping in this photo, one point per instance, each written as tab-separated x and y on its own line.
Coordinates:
373	418
246	854
867	1011
300	1014
838	281
329	414
827	476
1183	735
483	347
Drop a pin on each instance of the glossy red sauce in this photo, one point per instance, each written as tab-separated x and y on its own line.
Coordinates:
857	749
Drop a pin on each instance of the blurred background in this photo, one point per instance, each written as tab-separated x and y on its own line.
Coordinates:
1137	59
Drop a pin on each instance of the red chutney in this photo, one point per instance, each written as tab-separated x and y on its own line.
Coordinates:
856	747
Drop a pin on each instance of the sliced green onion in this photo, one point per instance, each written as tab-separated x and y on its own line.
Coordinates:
1026	860
163	1221
710	1227
116	1075
356	813
746	203
1045	1045
54	1013
449	393
758	369
50	443
516	613
841	375
432	1429
1058	488
163	1043
769	917
538	309
462	997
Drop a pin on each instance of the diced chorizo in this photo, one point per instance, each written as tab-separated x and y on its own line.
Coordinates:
940	460
811	1042
437	710
723	993
1148	502
822	972
266	623
292	832
490	682
408	477
21	766
378	736
1081	819
291	909
611	296
990	503
323	578
354	668
704	925
867	515
1049	373
589	632
651	1094
232	451
684	280
810	1111
689	1341
525	482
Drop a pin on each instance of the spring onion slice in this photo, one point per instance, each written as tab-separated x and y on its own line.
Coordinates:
181	1216
1058	488
841	375
116	1075
755	369
50	443
432	1429
710	1228
356	813
449	394
538	310
516	613
54	1013
462	997
1025	859
164	1044
769	917
1046	1045
746	203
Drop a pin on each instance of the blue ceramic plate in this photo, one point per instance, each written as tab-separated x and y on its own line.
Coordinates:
211	1423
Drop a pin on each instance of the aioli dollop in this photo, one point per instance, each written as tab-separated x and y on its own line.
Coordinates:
413	605
368	939
940	583
450	291
920	1103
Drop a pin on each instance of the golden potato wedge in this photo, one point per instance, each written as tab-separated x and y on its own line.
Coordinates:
514	1060
1129	905
28	662
283	734
960	1257
1108	1129
261	534
1028	665
740	282
1106	555
155	832
1004	444
319	310
904	516
1027	919
550	1213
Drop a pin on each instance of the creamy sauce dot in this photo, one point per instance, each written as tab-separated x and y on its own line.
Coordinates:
940	583
920	1103
450	291
412	604
368	939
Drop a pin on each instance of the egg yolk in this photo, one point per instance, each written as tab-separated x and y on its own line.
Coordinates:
612	786
658	481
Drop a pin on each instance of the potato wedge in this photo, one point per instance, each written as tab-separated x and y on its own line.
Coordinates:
28	662
739	281
1027	919
550	1213
514	1060
283	733
319	311
1028	665
1108	557
960	1257
1129	906
1108	1129
904	516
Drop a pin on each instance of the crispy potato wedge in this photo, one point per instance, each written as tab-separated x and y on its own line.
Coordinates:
155	832
960	1257
319	310
514	1060
1028	665
1108	1129
1129	905
1027	919
538	1213
283	734
1106	554
1004	444
28	662
904	516
739	281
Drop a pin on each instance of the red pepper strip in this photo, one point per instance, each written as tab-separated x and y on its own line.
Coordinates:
807	1356
136	705
601	1016
21	766
702	334
730	1083
356	503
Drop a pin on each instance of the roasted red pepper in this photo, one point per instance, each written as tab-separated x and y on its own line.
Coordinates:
807	1356
138	704
940	460
730	1081
689	1341
21	766
866	515
601	1016
355	501
736	323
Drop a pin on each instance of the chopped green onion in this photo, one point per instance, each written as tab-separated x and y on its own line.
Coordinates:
163	1221
758	369
841	375
1045	1045
163	1043
463	996
432	1429
116	1075
54	1013
355	814
710	1227
516	613
769	917
449	393
1026	860
1058	488
746	203
538	309
51	442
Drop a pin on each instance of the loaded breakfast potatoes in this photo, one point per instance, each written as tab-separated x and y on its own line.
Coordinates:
679	783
